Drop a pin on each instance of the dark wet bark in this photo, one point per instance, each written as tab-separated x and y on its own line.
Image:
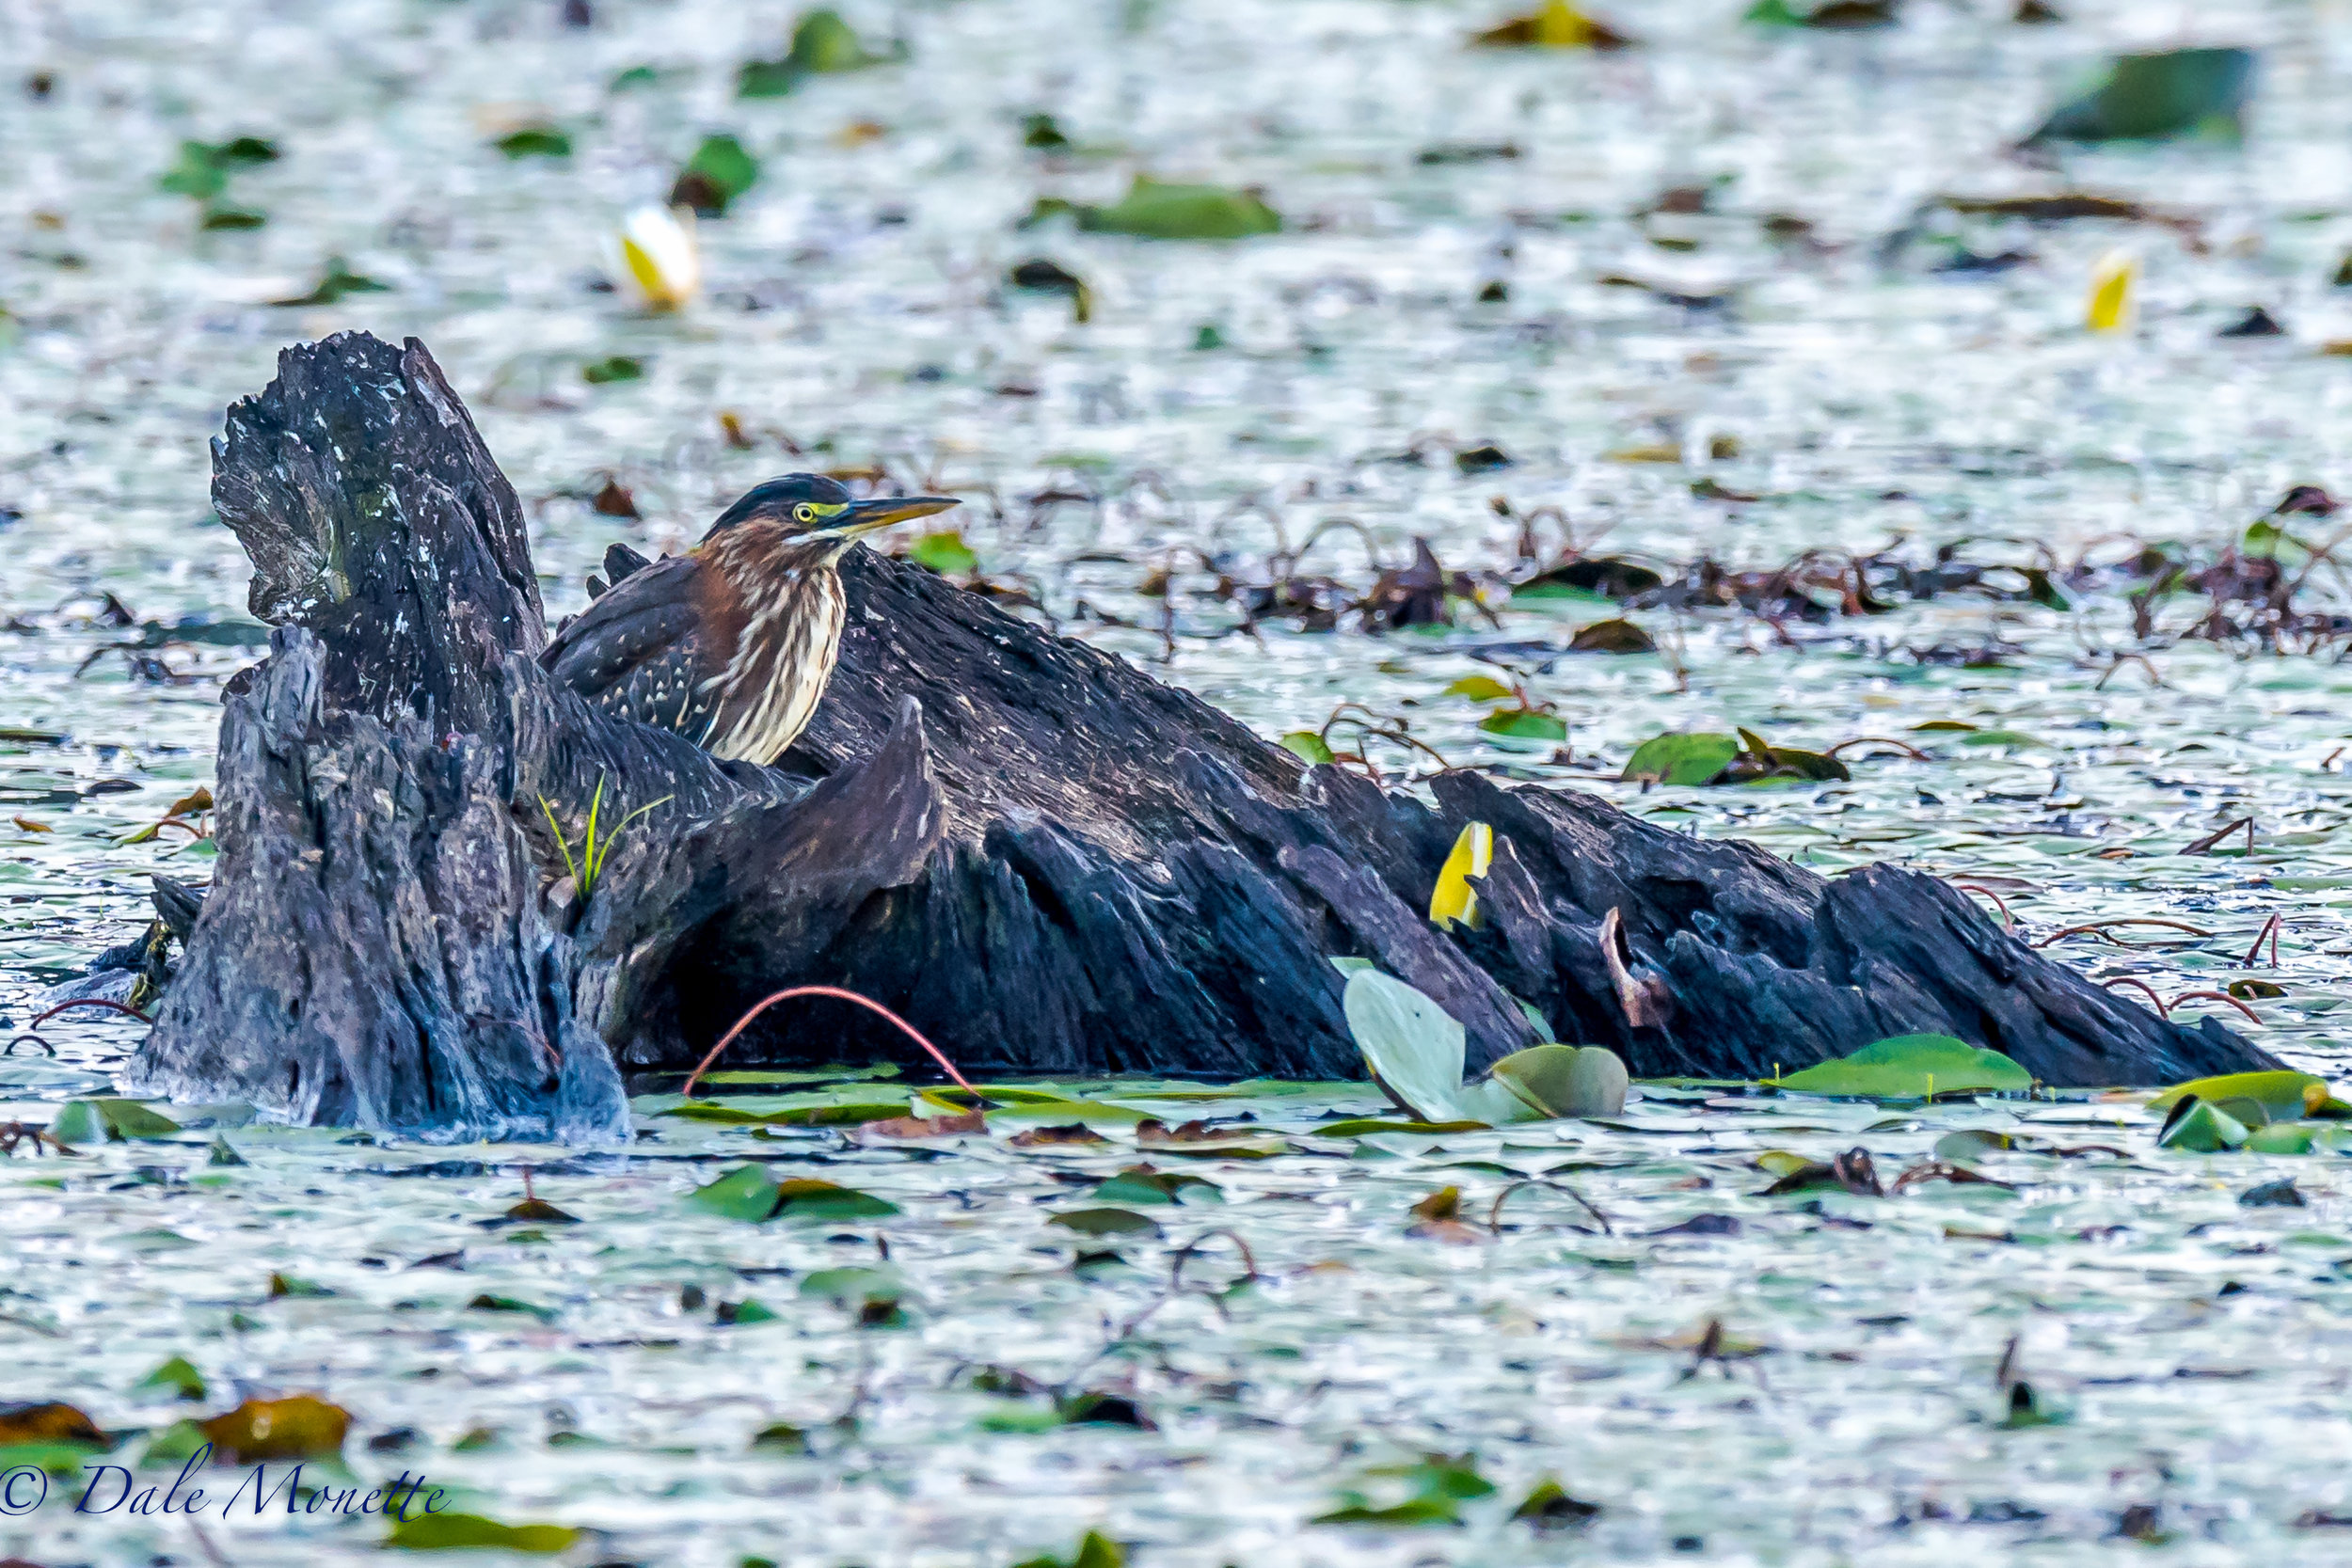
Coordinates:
1046	860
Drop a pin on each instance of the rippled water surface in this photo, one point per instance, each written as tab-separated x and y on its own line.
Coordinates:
1221	405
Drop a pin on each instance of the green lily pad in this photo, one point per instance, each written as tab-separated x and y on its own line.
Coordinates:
2282	1137
720	171
2159	94
808	1199
857	1286
1525	724
1680	759
822	44
1480	689
1415	1052
1912	1067
944	552
1106	1222
109	1121
1565	1080
1307	746
745	1193
2199	1128
461	1532
2253	1098
1163	210
178	1375
612	368
1142	1185
536	141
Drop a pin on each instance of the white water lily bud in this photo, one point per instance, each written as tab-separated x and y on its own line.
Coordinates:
655	257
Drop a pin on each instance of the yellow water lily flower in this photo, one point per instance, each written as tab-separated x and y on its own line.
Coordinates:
2112	290
656	256
1453	898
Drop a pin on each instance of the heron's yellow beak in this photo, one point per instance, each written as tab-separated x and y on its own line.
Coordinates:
863	517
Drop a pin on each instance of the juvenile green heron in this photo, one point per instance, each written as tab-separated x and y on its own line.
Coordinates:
731	643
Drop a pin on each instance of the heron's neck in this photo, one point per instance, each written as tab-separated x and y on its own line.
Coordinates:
765	549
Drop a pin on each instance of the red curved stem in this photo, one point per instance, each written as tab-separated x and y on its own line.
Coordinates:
89	1001
2164	1009
867	1001
2211	996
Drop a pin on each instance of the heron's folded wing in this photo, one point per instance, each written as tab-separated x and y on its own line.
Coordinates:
647	619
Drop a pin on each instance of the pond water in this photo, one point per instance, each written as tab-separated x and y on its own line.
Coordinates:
1222	402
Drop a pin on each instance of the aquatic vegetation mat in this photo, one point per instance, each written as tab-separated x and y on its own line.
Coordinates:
1769	352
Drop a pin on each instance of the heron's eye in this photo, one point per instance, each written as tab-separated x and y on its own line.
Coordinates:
804	514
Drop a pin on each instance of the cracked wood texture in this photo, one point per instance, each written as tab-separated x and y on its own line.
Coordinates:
1046	860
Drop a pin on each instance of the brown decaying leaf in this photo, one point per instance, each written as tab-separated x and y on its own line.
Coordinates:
301	1426
1048	1138
1851	1170
925	1127
54	1421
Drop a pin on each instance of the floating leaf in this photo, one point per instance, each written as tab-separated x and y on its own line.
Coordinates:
1479	688
1160	210
2254	1097
612	368
857	1286
1566	1079
1307	746
1415	1051
1094	1550
2110	302
1453	899
1970	1143
1611	637
488	1302
334	284
536	141
2161	94
2199	1128
1759	759
1106	1222
955	1125
1358	1127
745	1193
458	1533
1680	759
944	552
822	43
1143	1184
1913	1067
803	1198
1525	724
299	1427
47	1422
178	1375
1549	1507
2282	1137
203	169
1076	1133
718	172
108	1120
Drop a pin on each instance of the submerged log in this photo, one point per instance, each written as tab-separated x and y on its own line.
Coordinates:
1044	859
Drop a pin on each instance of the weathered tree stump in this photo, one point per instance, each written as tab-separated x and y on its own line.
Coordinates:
1046	860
